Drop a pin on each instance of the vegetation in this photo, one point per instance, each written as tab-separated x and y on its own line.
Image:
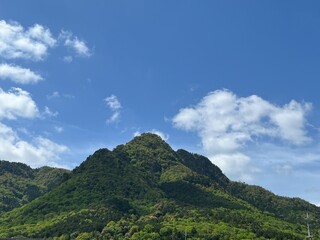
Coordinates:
145	190
20	184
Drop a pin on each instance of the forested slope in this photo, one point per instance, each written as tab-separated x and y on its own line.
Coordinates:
20	184
146	190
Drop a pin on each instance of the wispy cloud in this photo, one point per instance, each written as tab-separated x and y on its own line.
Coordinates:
68	59
57	95
49	113
18	74
53	95
114	105
115	117
58	129
73	42
226	123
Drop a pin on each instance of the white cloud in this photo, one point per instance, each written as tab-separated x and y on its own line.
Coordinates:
59	129
57	95
48	113
238	161
34	43
16	42
68	59
115	117
77	45
291	122
18	74
136	133
114	105
113	102
40	152
17	103
53	95
164	136
226	123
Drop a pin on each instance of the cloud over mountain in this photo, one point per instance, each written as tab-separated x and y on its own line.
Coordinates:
39	151
226	123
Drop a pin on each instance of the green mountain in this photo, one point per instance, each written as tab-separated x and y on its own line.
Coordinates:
146	190
20	184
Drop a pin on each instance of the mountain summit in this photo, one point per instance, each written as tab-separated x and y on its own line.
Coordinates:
146	190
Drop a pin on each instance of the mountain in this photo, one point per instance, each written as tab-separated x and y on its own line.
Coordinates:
20	184
146	190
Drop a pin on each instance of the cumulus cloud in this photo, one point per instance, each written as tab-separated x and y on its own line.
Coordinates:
114	105
17	103
32	43
40	152
236	165
226	123
18	74
73	42
14	104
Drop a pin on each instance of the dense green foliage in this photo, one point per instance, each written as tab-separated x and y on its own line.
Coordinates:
289	209
145	190
20	184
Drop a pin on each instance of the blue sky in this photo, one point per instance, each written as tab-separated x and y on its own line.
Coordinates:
237	81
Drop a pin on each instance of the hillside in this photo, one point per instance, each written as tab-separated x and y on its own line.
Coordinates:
146	190
20	184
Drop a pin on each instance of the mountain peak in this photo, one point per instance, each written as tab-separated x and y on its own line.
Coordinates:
150	140
144	184
147	136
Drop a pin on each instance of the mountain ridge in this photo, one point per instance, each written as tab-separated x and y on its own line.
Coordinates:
139	189
20	184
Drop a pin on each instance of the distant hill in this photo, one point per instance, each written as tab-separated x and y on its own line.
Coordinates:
146	190
20	184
